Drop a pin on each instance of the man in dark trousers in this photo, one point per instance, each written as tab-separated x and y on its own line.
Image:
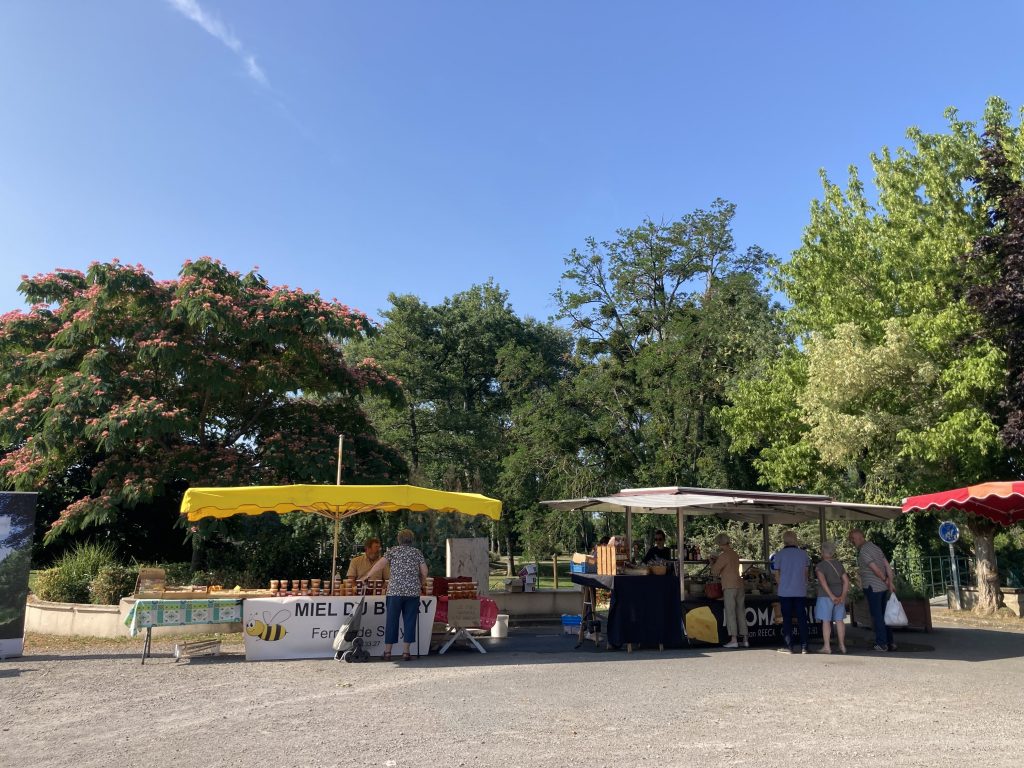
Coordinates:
790	565
875	576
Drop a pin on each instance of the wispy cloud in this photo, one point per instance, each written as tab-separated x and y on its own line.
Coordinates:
191	10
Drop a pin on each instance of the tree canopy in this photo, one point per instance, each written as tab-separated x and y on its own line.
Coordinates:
122	390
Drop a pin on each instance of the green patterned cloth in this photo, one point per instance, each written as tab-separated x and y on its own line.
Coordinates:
177	613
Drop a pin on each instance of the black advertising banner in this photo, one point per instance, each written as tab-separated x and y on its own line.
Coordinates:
17	524
705	621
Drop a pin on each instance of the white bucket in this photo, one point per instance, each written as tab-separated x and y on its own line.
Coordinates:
500	628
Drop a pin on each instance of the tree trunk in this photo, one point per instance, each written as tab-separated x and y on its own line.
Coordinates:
197	552
511	570
990	597
414	447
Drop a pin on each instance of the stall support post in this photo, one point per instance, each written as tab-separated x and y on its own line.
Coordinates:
821	527
680	553
629	533
554	569
334	556
765	542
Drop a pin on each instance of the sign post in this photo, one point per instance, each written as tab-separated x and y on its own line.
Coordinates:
950	534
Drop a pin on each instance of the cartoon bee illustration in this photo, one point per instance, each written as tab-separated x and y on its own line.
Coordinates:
269	629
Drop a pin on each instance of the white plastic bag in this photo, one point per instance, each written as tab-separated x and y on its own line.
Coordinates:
895	616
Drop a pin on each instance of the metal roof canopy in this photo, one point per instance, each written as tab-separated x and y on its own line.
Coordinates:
744	506
765	508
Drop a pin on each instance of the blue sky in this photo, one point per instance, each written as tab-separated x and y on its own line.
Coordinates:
365	148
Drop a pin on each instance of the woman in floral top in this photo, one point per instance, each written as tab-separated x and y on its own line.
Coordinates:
408	573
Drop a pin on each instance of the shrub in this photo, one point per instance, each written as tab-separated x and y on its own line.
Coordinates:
113	582
177	573
68	580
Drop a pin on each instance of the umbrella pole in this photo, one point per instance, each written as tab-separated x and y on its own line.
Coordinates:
334	557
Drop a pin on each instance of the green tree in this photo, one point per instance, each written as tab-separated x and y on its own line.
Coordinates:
667	317
466	366
120	391
997	294
890	389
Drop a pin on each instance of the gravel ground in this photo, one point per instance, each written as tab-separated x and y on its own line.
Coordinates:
952	697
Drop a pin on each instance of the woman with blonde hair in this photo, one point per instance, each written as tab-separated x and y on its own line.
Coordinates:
726	566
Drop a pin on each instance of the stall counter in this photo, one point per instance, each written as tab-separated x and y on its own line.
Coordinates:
644	609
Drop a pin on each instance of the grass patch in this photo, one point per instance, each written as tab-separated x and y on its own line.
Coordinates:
36	643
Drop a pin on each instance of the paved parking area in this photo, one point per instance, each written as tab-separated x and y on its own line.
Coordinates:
954	697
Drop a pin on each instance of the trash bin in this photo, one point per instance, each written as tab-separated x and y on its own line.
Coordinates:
500	628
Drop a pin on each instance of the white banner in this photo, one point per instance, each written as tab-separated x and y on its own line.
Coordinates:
305	627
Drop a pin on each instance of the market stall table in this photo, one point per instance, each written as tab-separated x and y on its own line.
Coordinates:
644	609
483	615
146	614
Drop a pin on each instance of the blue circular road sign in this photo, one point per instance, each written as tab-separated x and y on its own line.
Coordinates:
948	532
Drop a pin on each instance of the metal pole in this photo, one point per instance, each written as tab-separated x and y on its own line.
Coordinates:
765	541
629	533
334	557
821	527
680	554
956	579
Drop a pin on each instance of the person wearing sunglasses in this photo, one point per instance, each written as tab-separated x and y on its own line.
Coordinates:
659	551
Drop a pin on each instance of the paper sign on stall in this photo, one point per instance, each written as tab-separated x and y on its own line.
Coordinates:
464	613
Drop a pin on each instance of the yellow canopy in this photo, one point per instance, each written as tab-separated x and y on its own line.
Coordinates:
332	501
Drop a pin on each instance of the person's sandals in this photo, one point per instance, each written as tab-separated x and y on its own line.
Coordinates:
842	649
825	650
406	656
386	656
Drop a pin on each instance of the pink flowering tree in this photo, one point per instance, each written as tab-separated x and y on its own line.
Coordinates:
118	391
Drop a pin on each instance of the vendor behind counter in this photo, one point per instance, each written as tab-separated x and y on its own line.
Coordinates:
659	551
361	564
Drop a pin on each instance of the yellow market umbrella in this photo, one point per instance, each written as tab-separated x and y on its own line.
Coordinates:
335	502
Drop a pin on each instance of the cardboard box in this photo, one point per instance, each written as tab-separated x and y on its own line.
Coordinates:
464	613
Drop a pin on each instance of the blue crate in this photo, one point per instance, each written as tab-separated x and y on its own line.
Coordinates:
582	568
571	623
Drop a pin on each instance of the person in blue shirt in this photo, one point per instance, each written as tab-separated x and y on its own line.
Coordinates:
790	565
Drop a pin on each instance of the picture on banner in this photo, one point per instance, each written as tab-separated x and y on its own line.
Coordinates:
705	621
305	628
17	524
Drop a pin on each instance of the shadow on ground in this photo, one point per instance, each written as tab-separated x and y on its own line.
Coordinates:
548	645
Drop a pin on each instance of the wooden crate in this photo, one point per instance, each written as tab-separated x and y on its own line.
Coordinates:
606	560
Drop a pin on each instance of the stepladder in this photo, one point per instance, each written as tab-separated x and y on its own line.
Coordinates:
590	623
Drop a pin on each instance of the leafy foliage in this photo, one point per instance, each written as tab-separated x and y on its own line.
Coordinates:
891	388
112	582
998	261
68	580
668	318
472	372
123	390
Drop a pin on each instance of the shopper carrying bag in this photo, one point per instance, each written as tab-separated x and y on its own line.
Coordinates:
895	616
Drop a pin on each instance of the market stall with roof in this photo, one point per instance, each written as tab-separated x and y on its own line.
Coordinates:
754	507
299	619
